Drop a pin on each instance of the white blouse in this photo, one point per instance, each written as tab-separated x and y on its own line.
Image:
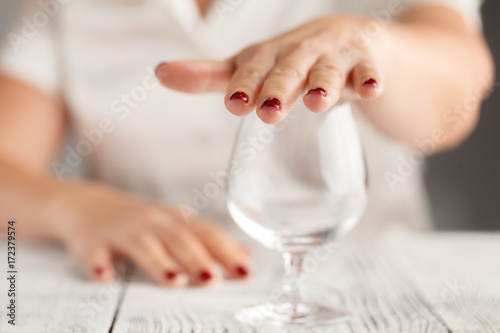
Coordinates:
158	143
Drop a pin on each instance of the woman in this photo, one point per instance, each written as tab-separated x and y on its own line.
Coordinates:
414	71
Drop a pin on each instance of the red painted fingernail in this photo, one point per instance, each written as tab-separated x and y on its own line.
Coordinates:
239	95
272	103
170	275
241	270
371	82
99	271
205	276
317	91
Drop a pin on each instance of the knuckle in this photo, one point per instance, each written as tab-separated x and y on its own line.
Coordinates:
211	232
250	72
288	70
366	66
215	234
308	44
333	73
140	239
180	236
330	69
153	215
260	49
250	50
257	52
176	213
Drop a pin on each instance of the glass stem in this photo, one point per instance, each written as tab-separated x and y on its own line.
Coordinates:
293	286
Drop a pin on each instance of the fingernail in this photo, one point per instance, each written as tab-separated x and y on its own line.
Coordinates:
241	270
205	276
272	103
99	271
157	69
317	91
170	275
371	82
239	95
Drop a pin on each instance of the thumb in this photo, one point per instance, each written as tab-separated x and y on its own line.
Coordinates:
196	76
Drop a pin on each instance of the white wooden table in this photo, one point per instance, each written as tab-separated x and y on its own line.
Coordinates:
439	282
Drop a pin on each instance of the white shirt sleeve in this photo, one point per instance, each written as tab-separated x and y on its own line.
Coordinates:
28	50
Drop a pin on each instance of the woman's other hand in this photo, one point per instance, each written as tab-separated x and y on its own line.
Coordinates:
98	223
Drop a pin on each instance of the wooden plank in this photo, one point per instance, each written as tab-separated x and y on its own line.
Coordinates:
459	274
365	278
53	295
376	289
404	283
148	308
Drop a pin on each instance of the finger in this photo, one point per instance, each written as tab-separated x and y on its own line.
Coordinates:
284	84
327	80
246	83
148	252
367	81
99	264
223	248
246	250
188	250
196	76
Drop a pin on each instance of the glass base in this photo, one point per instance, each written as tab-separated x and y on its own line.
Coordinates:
291	314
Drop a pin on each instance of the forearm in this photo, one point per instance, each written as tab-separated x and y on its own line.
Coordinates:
32	128
26	198
437	73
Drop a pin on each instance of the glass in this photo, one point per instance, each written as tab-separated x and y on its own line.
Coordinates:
295	186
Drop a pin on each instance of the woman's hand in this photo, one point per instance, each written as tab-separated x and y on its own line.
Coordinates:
98	223
319	59
424	50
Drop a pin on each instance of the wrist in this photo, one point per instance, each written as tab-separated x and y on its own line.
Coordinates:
55	216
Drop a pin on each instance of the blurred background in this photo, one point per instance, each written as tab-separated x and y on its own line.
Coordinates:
464	185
